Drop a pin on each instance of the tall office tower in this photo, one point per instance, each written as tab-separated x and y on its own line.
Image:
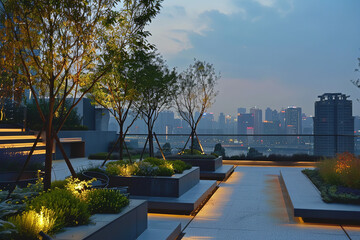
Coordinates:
333	116
206	124
293	120
307	124
281	116
165	122
241	110
245	121
257	113
221	123
268	114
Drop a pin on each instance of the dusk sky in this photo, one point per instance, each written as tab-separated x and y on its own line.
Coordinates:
270	53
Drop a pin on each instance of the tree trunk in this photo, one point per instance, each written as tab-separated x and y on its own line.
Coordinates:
192	141
151	141
49	146
122	139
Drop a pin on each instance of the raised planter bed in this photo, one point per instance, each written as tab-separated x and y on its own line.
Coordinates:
129	224
307	203
158	186
180	193
210	168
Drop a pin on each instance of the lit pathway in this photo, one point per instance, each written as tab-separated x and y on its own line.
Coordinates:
250	205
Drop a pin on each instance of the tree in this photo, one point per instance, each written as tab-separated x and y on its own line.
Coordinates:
196	94
118	90
158	91
57	45
357	81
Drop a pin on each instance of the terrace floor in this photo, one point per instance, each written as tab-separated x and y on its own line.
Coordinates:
249	205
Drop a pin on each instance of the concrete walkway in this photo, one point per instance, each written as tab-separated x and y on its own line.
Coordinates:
249	205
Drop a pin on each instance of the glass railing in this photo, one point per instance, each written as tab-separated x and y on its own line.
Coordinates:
240	144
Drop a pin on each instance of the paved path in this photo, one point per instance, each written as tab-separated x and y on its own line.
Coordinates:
250	205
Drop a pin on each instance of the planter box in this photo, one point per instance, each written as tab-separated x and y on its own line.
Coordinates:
306	201
203	164
129	224
159	186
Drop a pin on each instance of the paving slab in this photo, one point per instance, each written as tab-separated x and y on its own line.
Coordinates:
185	204
60	170
220	174
251	205
161	230
307	203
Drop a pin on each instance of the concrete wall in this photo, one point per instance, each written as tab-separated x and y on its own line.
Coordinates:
95	141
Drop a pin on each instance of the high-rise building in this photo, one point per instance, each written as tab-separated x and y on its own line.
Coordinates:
241	110
268	114
257	113
293	120
333	116
245	121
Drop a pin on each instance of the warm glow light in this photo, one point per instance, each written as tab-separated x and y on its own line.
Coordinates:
18	145
10	130
17	137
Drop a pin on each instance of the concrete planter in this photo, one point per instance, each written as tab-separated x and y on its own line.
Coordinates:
203	164
129	224
158	186
210	169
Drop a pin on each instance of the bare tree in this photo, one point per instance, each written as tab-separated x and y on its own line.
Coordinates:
196	94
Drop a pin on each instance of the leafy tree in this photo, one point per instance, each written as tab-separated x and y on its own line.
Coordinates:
196	94
118	89
57	45
158	91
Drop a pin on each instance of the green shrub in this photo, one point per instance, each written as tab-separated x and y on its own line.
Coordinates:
188	152
30	223
179	166
119	168
69	209
146	169
343	170
58	184
164	170
154	161
106	201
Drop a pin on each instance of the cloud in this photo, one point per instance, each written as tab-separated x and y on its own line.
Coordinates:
283	7
179	19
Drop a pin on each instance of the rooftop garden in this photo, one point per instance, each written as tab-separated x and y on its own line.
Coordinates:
338	178
30	211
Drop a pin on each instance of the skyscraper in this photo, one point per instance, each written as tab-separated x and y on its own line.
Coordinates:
257	113
241	110
333	116
293	123
245	122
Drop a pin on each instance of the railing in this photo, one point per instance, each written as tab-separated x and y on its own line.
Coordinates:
266	144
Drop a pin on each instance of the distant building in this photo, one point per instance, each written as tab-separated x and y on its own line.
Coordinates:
257	113
245	121
333	116
293	120
268	114
241	110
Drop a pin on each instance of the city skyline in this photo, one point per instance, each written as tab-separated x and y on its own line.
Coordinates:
270	53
